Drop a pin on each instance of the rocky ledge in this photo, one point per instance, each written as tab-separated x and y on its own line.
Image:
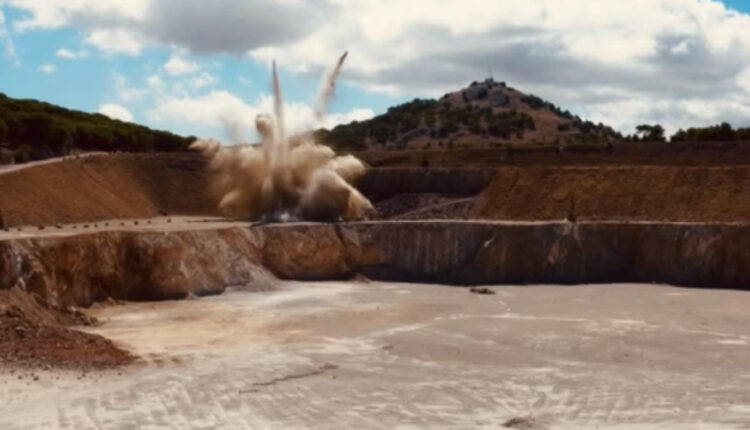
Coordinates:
150	265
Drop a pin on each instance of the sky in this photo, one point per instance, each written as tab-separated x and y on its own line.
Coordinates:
202	67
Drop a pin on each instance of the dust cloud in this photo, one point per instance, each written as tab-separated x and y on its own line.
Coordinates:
286	178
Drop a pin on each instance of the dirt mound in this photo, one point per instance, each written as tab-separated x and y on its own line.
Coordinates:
654	193
105	187
35	336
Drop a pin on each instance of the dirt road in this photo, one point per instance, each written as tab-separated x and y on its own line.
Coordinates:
7	168
371	355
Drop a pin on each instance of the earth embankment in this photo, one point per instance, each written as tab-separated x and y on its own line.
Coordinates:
101	187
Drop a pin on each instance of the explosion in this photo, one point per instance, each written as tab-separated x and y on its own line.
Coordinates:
285	178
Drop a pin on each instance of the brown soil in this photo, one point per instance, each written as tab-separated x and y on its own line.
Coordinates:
705	182
720	194
105	187
640	181
35	336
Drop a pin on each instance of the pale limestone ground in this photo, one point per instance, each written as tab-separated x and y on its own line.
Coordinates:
374	355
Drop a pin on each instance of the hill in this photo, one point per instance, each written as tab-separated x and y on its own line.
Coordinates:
31	130
484	115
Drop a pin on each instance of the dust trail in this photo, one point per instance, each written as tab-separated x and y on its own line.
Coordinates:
278	103
285	178
327	87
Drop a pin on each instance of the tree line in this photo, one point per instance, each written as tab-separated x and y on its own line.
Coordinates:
716	133
35	130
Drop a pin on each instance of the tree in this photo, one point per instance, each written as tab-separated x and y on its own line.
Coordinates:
3	129
716	133
654	133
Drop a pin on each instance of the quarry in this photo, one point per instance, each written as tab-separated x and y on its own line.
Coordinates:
189	317
288	285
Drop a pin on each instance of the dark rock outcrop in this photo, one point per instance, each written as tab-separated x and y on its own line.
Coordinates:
382	183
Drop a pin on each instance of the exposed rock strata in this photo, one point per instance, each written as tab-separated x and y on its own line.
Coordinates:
80	270
519	253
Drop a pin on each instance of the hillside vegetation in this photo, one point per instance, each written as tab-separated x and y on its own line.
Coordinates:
30	129
485	114
717	133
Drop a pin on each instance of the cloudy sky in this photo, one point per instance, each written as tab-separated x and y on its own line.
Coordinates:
201	67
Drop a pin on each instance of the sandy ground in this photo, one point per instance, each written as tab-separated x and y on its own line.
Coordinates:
373	355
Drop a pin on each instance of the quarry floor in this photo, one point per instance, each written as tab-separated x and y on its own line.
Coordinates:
376	355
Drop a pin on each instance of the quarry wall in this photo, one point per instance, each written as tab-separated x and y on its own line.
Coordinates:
149	265
143	265
382	183
476	252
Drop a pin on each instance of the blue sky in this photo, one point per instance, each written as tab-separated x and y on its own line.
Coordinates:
740	5
173	64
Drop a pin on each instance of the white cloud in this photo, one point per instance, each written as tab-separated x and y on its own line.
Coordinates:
221	26
743	79
67	54
51	14
177	66
680	50
116	111
635	55
204	79
154	81
118	41
6	42
48	68
222	109
127	92
356	114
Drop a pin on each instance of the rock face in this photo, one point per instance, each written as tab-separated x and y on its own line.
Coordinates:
79	270
468	253
382	183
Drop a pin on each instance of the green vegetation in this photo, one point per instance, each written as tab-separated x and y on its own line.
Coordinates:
36	130
651	133
537	103
717	133
436	119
